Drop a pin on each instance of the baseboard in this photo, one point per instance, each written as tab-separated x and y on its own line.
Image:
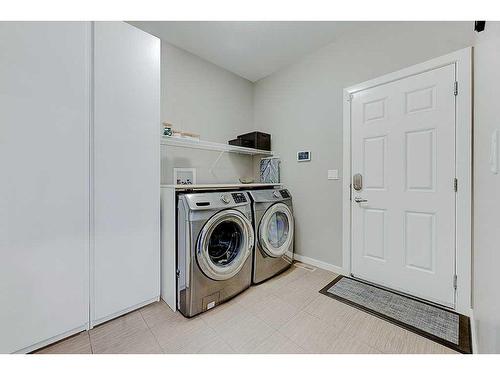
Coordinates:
124	311
52	340
473	332
320	264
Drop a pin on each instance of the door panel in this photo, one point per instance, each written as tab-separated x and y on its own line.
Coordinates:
374	163
420	240
375	233
126	168
44	154
403	144
420	166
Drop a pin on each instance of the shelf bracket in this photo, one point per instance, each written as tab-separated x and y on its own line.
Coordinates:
214	164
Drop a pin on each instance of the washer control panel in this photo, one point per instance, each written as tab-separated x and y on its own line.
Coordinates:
239	198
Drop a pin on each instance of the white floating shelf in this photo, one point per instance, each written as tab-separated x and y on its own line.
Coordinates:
213	146
220	186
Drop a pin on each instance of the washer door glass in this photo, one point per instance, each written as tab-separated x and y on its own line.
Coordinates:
276	230
224	244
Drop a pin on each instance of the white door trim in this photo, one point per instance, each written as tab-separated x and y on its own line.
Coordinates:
463	110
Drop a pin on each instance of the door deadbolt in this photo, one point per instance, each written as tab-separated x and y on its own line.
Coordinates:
357	181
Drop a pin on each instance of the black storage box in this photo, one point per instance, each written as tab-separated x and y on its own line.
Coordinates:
258	140
241	142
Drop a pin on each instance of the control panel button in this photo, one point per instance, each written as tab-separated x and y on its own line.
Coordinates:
226	198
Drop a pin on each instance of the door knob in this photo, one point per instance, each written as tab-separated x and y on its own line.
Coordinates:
360	200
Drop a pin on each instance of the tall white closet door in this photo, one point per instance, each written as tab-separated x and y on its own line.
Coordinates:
126	169
44	166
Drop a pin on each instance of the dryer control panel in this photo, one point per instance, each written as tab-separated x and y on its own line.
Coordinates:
270	195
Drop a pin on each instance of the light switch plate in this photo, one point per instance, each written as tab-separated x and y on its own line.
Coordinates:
333	174
494	152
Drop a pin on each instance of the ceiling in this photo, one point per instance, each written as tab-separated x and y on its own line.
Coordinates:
250	49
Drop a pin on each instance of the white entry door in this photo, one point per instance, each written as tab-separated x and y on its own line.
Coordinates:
403	146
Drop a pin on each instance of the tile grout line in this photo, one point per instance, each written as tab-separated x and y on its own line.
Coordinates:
217	336
247	310
90	343
151	332
303	309
300	309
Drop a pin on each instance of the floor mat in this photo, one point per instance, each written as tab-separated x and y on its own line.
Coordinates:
438	324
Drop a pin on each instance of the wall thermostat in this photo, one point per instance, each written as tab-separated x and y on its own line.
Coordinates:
304	156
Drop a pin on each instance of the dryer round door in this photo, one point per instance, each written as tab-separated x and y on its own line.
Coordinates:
276	230
224	244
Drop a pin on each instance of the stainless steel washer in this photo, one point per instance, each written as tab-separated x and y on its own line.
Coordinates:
274	228
214	247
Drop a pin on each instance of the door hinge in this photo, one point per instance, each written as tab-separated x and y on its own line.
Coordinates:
455	88
455	184
454	281
350	192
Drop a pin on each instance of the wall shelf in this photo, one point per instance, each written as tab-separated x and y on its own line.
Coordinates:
238	186
212	146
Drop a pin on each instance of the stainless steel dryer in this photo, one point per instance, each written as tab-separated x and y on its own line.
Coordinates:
214	246
274	230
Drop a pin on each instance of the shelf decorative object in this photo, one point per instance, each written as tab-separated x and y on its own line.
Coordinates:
270	170
184	176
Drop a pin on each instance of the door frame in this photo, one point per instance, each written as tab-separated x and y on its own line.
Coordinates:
463	169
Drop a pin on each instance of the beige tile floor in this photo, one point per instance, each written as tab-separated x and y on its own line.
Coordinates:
284	315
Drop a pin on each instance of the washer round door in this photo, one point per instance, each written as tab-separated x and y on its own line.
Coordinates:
276	230
224	244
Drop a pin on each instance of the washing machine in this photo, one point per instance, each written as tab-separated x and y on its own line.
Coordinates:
214	249
274	230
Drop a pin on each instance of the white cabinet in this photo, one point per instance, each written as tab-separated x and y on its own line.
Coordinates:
126	170
80	177
44	188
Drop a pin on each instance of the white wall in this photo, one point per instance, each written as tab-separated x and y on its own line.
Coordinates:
301	106
200	97
486	300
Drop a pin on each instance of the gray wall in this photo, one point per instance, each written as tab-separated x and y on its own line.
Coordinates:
200	97
486	297
301	106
